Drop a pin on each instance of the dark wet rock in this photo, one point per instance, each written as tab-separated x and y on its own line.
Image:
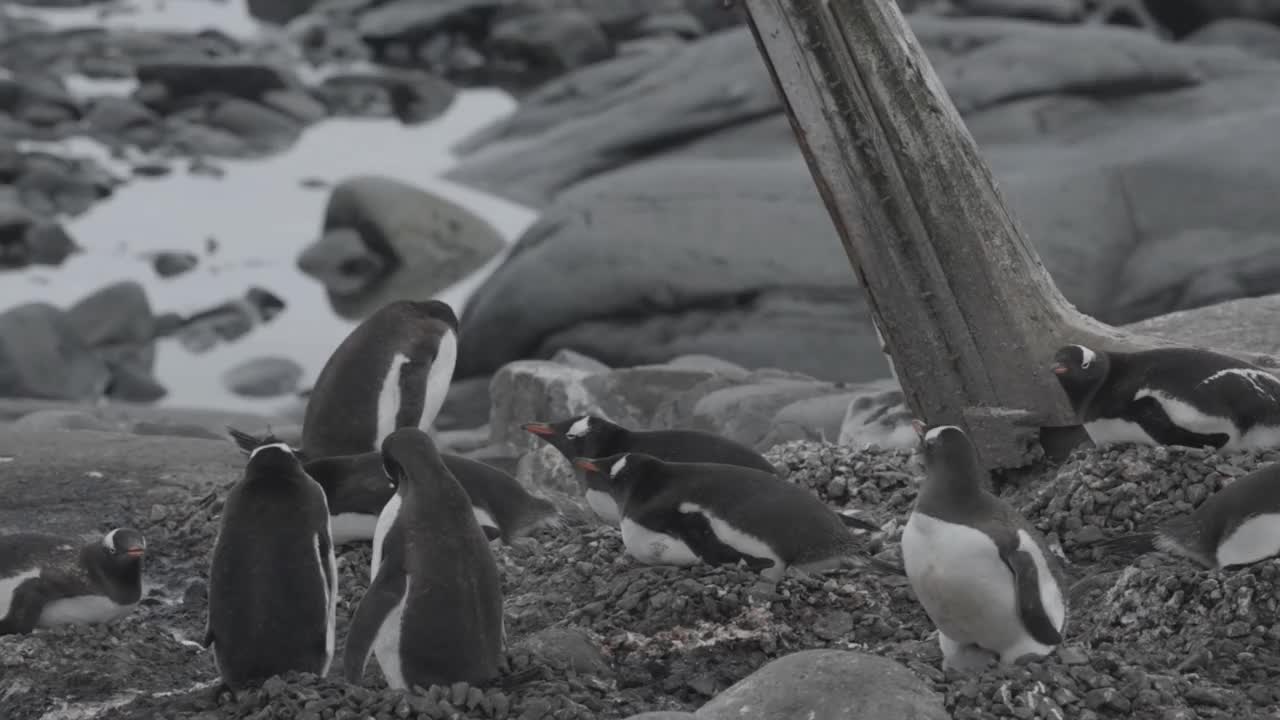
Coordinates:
410	96
263	377
47	420
263	129
411	20
656	294
123	119
43	356
528	49
279	12
1063	11
832	684
1182	17
26	240
1259	38
383	240
296	104
51	184
37	99
184	78
228	321
172	263
466	405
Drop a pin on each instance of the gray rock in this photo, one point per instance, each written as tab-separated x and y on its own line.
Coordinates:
43	356
169	264
411	97
1254	36
114	315
546	469
263	377
1184	16
572	358
118	118
466	405
1245	327
186	77
664	715
816	418
264	130
568	649
658	396
830	685
530	48
417	20
532	390
386	240
26	240
296	104
1063	11
746	412
657	294
278	12
52	420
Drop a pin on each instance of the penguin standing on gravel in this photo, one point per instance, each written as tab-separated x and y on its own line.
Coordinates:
433	611
273	580
590	436
1171	396
979	569
690	513
357	488
46	580
1238	525
392	371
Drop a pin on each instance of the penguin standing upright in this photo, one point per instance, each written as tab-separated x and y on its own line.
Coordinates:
46	580
357	489
687	513
273	579
590	436
1238	525
979	569
1171	396
392	371
433	611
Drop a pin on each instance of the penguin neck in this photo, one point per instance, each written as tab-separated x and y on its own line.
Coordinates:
431	486
951	493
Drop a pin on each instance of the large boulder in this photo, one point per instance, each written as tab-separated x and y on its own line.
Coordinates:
383	239
735	259
42	355
827	685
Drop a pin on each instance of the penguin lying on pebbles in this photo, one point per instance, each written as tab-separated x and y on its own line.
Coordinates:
393	370
273	578
47	580
1171	396
433	611
689	513
1238	525
357	488
982	574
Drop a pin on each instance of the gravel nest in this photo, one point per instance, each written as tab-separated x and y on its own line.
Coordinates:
594	635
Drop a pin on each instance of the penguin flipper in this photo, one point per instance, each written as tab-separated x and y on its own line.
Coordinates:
26	604
385	592
243	440
1150	415
695	530
857	523
1129	545
413	393
1026	583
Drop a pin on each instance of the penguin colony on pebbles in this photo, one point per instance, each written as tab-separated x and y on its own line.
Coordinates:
367	470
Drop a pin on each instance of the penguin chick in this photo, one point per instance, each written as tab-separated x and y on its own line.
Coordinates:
1238	525
686	513
1171	396
46	580
981	572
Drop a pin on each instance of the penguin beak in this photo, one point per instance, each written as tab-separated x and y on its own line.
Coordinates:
542	429
586	464
135	552
1060	369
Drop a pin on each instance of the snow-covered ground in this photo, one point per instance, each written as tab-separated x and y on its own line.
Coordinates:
260	215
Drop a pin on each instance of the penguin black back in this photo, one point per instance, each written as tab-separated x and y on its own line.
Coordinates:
391	371
273	576
591	436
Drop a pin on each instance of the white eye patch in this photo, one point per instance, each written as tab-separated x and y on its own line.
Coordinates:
579	428
618	466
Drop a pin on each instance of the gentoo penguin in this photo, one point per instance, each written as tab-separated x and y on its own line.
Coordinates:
590	436
433	612
273	580
47	580
357	488
393	370
979	569
1171	396
752	515
1238	525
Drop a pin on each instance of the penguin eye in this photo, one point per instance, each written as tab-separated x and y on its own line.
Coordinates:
112	550
1085	365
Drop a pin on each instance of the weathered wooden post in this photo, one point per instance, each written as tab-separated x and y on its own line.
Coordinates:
966	309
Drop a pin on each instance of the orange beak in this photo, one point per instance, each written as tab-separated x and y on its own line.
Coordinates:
542	429
134	552
586	464
1060	369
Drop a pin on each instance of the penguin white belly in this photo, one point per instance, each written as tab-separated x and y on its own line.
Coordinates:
484	519
353	527
386	643
10	585
1255	539
604	506
383	526
389	399
82	610
655	548
963	585
329	591
1188	417
1114	431
1259	437
438	379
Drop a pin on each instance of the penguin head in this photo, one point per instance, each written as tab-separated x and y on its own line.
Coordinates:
586	436
408	452
616	473
427	309
122	548
273	459
1080	369
947	451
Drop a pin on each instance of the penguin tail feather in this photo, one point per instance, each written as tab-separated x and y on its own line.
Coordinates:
868	562
1129	545
243	440
858	523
